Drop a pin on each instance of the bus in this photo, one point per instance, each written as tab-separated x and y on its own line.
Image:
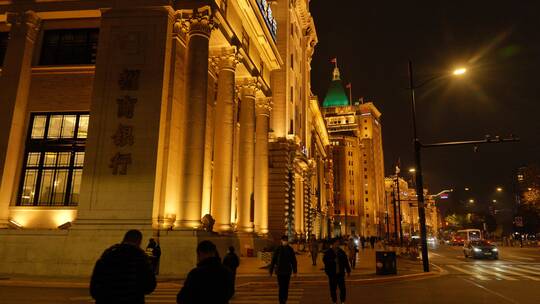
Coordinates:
466	235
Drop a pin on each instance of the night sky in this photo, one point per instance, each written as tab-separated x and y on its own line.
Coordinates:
499	42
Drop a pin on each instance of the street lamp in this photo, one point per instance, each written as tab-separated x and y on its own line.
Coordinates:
499	189
418	165
459	71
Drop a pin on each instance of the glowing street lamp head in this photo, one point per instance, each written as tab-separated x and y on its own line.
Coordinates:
499	189
471	201
412	170
459	71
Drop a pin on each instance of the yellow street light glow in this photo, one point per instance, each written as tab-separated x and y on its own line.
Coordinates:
460	71
466	188
499	189
412	170
471	201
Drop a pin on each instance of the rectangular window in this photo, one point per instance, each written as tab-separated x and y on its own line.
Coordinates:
4	36
69	46
245	40
54	159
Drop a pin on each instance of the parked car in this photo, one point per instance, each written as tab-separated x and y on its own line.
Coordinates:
480	249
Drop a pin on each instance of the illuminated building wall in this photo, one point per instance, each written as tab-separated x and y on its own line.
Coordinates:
171	110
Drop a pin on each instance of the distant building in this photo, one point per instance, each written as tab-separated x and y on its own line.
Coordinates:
357	154
405	206
527	185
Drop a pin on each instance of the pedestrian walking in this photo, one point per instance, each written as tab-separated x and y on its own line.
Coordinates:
314	250
153	250
363	242
372	240
210	281
283	264
352	249
123	274
232	261
335	265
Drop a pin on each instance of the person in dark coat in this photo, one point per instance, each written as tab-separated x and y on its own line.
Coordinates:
314	249
372	241
336	264
123	273
283	264
232	261
210	281
154	253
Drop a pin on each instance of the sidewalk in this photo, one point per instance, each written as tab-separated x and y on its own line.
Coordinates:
365	265
253	271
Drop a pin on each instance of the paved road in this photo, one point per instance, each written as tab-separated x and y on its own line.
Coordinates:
514	278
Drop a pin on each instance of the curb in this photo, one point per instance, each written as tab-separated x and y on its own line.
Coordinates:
6	282
366	281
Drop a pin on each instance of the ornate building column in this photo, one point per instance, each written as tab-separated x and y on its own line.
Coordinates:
245	175
226	60
198	24
263	107
14	89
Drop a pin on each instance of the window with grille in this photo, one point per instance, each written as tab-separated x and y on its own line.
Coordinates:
54	158
69	46
4	36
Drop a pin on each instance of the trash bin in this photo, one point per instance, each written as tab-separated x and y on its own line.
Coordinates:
385	262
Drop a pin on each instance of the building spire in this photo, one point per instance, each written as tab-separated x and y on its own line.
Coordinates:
336	74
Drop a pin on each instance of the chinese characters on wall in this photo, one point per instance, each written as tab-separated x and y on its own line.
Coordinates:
128	82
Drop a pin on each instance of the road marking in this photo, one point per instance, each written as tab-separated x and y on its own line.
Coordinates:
519	257
255	295
521	269
517	273
502	276
478	276
533	267
491	291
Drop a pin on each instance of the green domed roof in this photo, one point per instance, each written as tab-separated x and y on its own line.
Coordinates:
336	97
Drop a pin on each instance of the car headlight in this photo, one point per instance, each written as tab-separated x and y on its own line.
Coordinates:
494	249
477	249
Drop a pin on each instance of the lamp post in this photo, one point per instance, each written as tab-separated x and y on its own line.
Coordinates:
419	180
417	157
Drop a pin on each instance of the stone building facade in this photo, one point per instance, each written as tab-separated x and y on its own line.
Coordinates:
150	115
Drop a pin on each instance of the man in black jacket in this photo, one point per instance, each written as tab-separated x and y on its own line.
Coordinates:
335	264
123	273
283	264
209	282
232	261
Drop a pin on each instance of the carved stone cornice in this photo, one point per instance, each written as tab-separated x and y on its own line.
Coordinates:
248	86
225	59
263	106
199	21
29	19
